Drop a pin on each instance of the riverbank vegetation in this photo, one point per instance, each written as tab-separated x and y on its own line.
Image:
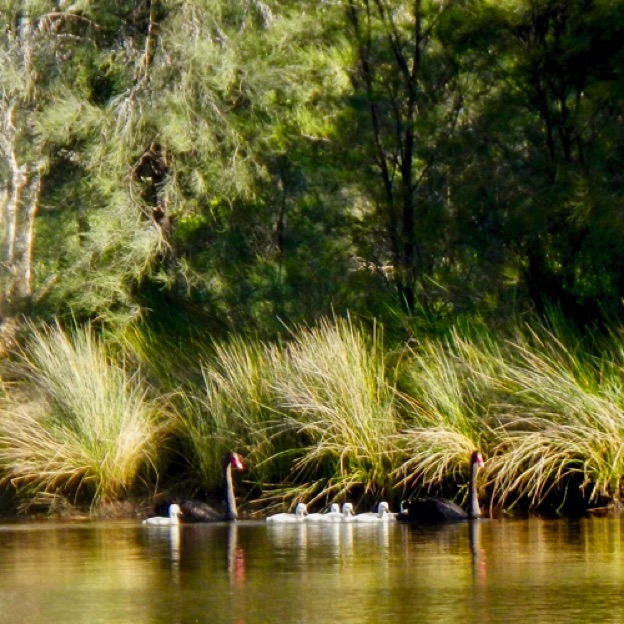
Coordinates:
330	413
351	240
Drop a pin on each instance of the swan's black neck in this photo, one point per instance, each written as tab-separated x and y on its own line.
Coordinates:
231	513
474	511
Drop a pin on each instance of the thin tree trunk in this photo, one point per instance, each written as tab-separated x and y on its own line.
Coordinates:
19	211
20	198
394	155
19	203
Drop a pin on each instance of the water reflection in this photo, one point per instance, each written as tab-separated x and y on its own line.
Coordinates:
479	556
252	573
235	560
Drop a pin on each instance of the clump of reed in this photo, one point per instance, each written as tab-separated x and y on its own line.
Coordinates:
231	409
561	425
445	384
80	424
546	411
315	416
336	396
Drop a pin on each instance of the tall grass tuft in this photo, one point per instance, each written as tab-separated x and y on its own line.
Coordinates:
87	429
548	413
336	399
563	423
446	384
314	417
231	410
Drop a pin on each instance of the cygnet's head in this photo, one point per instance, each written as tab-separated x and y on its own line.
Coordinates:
347	509
334	508
174	511
383	508
301	509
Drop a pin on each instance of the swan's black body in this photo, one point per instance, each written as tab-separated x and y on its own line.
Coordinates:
438	510
196	511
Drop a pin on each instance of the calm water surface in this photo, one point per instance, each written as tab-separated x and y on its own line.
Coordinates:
121	572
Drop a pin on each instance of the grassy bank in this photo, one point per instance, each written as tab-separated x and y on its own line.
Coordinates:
330	413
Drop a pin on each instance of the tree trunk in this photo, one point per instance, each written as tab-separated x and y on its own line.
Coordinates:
19	200
19	211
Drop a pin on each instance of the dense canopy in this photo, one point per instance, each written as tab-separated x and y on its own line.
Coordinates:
245	163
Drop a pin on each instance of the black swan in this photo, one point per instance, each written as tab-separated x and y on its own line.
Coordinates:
195	511
381	515
437	510
172	519
301	511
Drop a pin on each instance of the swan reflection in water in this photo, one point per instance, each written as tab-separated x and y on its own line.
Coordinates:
190	547
337	539
188	544
235	557
479	561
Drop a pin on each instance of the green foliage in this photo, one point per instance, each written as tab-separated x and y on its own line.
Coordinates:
459	157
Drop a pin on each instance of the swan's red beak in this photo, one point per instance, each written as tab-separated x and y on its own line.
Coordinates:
237	462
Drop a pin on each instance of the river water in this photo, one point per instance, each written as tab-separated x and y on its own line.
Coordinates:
123	572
